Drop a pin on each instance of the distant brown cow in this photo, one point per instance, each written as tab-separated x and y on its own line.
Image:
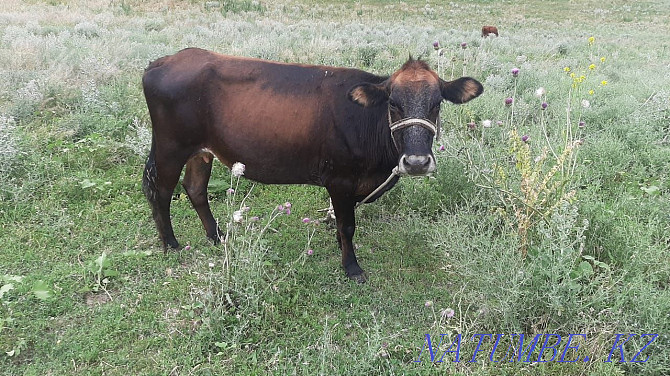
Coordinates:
486	30
339	128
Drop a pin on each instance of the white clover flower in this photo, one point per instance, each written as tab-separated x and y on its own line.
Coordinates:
586	103
237	216
540	92
238	169
486	123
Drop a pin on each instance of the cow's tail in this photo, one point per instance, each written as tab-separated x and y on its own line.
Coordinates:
150	176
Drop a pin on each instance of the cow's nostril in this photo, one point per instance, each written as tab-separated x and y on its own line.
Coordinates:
425	162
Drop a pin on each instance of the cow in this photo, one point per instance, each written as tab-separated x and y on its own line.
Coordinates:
487	30
289	124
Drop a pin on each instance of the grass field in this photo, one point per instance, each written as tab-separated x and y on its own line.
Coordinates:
539	221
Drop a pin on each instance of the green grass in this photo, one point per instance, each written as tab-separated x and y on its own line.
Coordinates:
73	132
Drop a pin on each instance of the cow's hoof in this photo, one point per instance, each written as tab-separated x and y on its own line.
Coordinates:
359	278
355	273
170	245
215	239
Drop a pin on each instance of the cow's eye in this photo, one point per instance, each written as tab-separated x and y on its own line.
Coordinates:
393	105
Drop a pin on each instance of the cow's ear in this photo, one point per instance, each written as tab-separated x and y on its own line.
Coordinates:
461	90
369	95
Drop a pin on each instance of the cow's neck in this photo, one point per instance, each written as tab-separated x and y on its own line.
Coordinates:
384	146
380	175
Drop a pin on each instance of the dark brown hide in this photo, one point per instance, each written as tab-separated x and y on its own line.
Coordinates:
486	30
289	124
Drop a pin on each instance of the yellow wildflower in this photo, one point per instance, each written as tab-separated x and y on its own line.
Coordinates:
566	69
572	75
603	82
602	59
591	40
592	66
591	92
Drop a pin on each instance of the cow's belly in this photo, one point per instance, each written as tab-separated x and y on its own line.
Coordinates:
278	142
264	164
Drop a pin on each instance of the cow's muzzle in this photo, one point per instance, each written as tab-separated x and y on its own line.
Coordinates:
416	165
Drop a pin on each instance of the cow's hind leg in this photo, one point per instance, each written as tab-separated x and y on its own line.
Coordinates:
346	226
161	174
196	178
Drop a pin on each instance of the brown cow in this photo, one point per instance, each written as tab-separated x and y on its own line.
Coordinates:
289	124
486	30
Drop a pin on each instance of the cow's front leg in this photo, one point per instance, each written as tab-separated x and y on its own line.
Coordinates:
346	226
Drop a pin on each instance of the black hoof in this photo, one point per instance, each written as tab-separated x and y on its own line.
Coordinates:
359	278
214	239
355	273
170	245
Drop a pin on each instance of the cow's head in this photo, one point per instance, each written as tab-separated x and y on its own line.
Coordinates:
413	95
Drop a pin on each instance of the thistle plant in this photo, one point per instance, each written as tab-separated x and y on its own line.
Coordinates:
464	47
541	189
236	217
536	174
577	93
544	181
242	234
240	283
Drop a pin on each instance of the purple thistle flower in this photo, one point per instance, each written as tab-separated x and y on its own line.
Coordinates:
287	211
310	252
230	191
436	45
429	303
287	204
464	45
525	138
472	125
500	123
515	72
254	219
187	248
306	220
449	313
581	124
280	207
442	148
509	101
545	105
